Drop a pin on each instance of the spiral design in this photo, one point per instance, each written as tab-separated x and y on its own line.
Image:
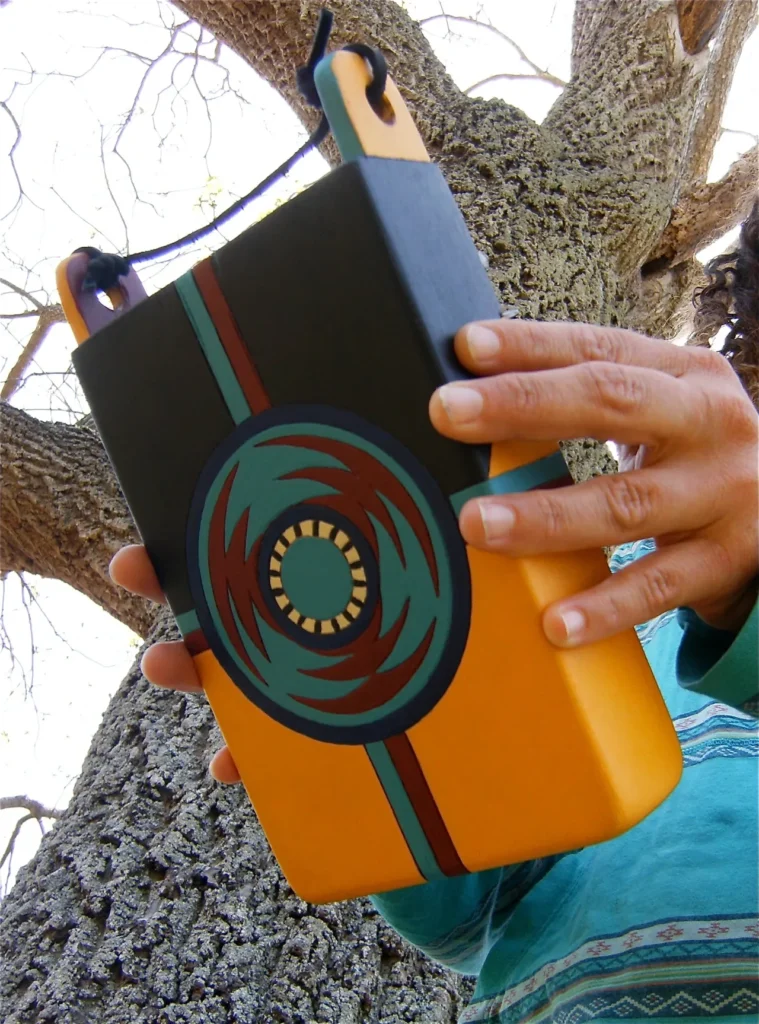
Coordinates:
329	574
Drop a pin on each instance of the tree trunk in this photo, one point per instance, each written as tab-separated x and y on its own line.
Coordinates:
62	512
155	898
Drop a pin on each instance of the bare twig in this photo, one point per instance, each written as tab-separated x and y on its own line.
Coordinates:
738	131
109	189
8	853
537	71
34	808
47	317
503	77
81	217
11	156
175	32
23	293
35	811
6	643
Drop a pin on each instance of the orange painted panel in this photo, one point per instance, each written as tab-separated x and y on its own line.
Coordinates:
320	804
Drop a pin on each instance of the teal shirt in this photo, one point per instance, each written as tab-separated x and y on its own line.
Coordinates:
659	924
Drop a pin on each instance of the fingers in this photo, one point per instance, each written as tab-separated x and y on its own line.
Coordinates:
131	569
631	405
502	346
222	767
607	510
675	577
169	664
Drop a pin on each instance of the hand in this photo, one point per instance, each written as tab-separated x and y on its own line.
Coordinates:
167	663
688	433
689	447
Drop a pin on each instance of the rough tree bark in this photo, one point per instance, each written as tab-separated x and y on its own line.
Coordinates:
62	512
155	897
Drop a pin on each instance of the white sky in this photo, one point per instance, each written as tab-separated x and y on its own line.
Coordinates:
45	733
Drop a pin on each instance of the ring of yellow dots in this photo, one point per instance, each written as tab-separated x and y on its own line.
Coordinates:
341	540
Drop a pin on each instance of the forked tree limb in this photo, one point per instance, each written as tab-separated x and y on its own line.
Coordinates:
708	211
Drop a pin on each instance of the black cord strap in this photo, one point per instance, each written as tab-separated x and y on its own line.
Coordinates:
105	269
315	139
375	90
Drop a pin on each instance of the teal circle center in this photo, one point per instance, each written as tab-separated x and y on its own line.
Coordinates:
316	577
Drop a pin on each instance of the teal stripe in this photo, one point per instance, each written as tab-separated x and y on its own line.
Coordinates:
523	478
409	824
188	622
212	347
333	106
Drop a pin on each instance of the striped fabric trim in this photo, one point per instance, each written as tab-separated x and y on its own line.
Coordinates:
676	968
625	555
717	730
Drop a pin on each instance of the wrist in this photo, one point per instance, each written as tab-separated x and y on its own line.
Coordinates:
731	614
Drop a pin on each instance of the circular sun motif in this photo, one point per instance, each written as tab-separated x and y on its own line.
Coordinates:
329	574
355	572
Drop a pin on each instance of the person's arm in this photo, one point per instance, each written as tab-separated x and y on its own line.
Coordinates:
457	921
718	663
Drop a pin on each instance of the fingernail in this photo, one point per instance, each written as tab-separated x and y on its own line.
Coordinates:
497	520
483	344
566	629
462	405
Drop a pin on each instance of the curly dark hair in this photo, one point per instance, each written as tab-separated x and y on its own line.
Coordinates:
731	299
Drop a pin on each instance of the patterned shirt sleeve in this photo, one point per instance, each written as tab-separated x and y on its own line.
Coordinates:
719	664
457	921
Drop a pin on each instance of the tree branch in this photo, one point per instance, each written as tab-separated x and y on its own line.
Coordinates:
707	211
33	807
48	316
626	85
62	515
634	99
738	20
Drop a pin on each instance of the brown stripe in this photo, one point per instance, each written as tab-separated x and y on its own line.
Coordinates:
196	642
407	765
226	327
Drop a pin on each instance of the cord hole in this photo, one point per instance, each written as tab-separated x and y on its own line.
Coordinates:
385	113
